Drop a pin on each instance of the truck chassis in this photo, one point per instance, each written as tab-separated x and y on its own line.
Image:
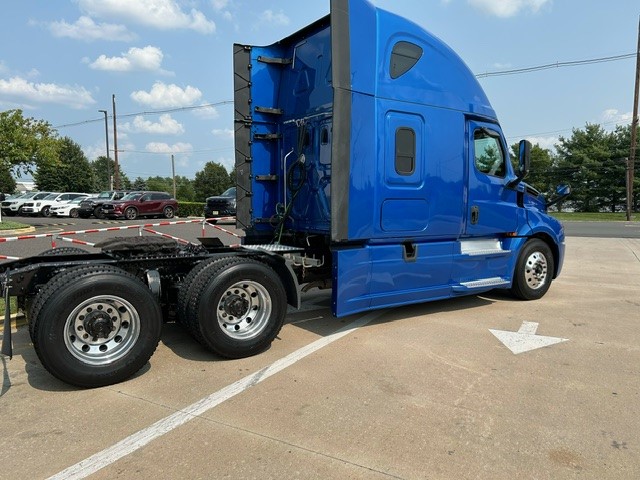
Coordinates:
96	319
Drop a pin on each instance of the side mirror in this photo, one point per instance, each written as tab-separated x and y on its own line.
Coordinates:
524	159
562	191
524	162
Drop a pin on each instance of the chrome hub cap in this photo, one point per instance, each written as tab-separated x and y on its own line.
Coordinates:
535	271
244	310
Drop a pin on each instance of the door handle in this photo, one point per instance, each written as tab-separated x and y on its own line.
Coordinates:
475	215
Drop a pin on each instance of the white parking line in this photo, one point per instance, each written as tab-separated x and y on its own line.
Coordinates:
106	457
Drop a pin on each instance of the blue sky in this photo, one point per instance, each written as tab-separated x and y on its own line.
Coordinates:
62	60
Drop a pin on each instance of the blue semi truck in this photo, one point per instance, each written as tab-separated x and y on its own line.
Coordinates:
368	160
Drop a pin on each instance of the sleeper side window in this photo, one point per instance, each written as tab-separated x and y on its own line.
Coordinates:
405	151
489	157
403	57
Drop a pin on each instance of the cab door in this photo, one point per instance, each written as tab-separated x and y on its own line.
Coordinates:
492	206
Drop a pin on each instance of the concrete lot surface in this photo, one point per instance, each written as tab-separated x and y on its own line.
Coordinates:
420	392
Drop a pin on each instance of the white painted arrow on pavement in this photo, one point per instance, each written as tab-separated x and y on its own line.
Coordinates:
525	339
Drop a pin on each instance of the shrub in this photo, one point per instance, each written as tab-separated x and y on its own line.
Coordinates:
190	209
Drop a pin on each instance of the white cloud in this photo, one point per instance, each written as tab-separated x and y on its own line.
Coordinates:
135	59
612	115
508	8
166	125
221	7
544	142
161	14
225	133
21	90
167	96
219	4
86	29
279	18
160	147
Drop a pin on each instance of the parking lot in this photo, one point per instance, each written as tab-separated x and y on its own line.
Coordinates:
427	391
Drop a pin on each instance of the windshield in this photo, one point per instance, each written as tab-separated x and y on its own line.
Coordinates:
41	195
231	192
51	196
78	199
104	195
132	196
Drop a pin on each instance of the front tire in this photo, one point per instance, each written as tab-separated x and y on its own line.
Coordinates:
73	213
97	212
130	213
46	211
95	325
534	270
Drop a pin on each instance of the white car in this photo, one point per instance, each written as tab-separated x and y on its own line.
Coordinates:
14	206
43	207
69	209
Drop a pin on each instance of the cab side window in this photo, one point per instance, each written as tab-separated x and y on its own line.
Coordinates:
489	157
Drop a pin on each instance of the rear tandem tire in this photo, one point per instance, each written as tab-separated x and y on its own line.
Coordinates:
95	325
534	270
236	307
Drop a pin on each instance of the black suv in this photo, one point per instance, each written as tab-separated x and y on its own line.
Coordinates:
93	205
222	205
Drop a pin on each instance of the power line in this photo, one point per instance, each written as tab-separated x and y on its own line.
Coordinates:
150	112
573	63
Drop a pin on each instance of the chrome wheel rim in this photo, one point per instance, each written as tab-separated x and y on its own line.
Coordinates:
102	330
535	271
244	310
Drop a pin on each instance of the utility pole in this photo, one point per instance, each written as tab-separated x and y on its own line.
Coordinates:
173	172
116	174
106	139
634	131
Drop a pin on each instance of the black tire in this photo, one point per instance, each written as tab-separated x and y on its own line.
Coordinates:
73	213
130	213
185	293
52	252
46	211
97	212
168	212
95	325
534	270
236	307
20	212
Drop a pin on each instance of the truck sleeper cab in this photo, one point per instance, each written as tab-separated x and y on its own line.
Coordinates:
367	142
368	160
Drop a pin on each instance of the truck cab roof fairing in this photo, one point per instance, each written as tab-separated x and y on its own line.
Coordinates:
363	38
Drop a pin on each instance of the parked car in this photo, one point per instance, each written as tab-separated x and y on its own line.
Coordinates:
221	205
141	204
15	206
69	209
43	206
93	205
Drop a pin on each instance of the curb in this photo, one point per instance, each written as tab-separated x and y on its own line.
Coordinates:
18	231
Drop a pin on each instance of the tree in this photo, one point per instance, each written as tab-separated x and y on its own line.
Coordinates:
70	171
213	179
139	184
7	182
25	142
99	167
589	161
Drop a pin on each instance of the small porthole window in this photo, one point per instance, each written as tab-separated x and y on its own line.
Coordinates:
324	136
403	57
405	151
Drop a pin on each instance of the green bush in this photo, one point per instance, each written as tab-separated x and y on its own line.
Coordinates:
190	209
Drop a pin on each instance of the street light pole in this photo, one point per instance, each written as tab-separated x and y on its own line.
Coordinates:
106	139
116	173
